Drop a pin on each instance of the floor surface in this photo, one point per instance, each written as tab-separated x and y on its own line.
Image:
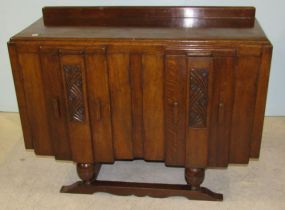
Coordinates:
28	181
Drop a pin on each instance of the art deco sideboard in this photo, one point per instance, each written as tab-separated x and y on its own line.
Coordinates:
182	85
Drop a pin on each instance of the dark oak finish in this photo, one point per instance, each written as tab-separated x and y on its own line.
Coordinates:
183	94
55	105
99	100
19	86
186	17
88	172
175	109
89	185
195	177
142	189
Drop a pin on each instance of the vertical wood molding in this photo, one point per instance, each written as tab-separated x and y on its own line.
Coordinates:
136	82
175	93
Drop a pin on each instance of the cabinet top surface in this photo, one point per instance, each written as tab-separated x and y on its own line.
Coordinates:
38	31
145	23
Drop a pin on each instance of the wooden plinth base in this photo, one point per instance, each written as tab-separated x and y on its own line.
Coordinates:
142	189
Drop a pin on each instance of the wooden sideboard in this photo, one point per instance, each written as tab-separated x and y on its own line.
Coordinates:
182	85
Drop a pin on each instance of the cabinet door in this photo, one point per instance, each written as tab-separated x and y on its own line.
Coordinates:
72	65
198	104
65	92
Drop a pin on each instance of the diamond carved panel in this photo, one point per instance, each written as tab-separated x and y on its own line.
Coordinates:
73	81
198	98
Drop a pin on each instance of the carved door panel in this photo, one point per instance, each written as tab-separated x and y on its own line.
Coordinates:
63	72
198	103
70	77
72	68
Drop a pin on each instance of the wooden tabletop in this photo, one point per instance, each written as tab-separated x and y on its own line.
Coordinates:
38	31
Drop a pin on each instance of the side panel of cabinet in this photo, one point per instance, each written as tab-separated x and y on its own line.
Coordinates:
246	74
35	100
20	92
175	108
72	64
54	96
261	101
99	103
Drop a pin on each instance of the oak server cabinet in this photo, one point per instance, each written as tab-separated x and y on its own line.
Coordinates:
182	85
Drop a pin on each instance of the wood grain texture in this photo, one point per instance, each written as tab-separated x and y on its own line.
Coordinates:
220	132
262	86
175	109
186	17
78	125
197	139
121	105
35	100
106	35
142	189
153	115
136	74
21	98
99	103
53	88
246	74
190	92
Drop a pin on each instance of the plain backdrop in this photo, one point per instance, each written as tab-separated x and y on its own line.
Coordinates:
15	15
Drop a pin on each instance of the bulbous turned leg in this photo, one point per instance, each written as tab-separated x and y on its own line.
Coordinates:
86	172
195	177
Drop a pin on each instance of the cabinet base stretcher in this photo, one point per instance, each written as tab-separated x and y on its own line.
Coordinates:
138	189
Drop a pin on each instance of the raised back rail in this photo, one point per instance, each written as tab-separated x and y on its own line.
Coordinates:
185	17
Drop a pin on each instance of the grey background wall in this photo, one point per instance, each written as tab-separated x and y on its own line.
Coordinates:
16	14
